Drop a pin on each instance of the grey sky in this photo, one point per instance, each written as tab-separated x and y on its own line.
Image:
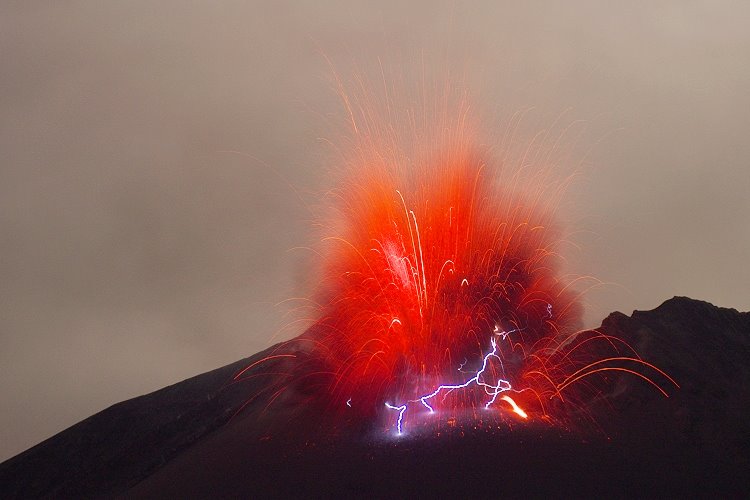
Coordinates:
134	253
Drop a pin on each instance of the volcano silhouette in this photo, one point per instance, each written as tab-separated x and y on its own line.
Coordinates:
208	437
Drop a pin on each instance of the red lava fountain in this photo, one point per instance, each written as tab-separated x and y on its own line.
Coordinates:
436	248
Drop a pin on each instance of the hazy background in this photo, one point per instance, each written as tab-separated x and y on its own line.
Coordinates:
134	253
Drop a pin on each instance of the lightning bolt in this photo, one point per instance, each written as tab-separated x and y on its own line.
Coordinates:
401	409
493	391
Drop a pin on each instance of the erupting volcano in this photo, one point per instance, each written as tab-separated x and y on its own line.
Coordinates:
440	280
445	333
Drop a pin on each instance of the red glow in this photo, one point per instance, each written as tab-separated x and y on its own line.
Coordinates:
428	259
435	246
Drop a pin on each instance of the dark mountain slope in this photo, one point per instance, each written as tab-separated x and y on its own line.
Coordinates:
179	441
115	448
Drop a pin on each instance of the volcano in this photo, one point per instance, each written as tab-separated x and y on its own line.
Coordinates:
215	435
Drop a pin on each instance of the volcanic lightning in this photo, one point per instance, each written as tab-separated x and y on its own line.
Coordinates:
493	391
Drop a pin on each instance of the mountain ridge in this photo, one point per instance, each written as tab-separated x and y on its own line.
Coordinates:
160	443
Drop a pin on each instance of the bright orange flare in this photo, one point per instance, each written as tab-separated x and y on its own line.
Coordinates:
516	409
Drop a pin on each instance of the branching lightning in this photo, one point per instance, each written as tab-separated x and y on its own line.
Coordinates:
492	390
502	385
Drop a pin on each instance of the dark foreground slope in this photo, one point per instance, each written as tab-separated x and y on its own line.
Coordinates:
180	441
114	449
